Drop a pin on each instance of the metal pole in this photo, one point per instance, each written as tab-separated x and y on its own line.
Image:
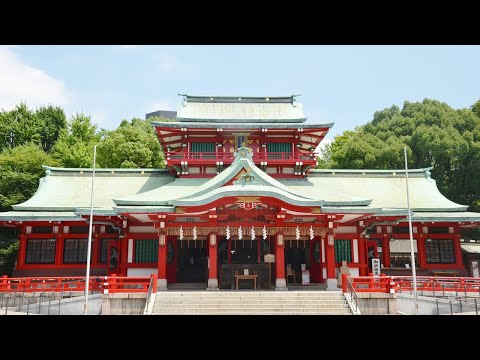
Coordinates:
90	226
414	272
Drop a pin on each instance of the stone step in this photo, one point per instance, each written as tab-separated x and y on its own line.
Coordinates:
252	311
248	296
241	306
242	299
263	313
250	303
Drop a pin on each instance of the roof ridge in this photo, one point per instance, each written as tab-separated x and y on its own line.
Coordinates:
243	160
120	170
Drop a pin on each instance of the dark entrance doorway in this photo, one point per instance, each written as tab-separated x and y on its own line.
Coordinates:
296	254
192	261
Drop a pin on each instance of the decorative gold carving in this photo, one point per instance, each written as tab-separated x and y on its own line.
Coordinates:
316	210
241	199
179	210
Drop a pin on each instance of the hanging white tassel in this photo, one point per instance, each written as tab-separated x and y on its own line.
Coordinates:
264	233
297	233
227	232
240	234
180	234
194	233
311	233
252	233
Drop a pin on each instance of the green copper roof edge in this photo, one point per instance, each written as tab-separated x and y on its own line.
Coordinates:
240	121
460	208
365	202
100	170
239	96
250	125
40	216
370	171
86	211
353	210
444	219
248	192
143	210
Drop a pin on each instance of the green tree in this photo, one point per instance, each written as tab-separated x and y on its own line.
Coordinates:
435	135
476	108
19	126
52	120
74	147
132	145
8	259
22	125
20	171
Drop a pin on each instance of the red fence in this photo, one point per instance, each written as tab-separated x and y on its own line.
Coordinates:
398	284
104	284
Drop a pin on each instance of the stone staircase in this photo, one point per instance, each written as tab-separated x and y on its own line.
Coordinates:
250	303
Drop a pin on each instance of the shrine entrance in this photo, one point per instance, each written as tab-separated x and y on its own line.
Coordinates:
192	262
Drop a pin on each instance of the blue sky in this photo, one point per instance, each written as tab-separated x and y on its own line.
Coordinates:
341	84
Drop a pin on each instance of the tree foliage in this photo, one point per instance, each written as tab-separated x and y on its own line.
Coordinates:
22	125
435	135
20	170
74	148
132	145
8	258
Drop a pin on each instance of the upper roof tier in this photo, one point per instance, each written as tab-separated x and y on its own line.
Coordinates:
281	109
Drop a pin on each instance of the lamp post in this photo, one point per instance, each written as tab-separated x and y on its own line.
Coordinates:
414	271
90	227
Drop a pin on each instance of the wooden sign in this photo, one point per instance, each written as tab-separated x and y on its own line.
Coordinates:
269	258
376	266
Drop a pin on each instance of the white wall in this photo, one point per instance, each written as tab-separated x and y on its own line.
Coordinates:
141	271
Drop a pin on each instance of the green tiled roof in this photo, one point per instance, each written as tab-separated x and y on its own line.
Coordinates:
68	189
240	109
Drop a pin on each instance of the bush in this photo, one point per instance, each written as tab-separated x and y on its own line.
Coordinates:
8	259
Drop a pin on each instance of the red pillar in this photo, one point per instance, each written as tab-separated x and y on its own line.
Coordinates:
458	251
280	282
95	244
59	245
22	248
212	259
386	252
422	258
361	256
330	259
162	262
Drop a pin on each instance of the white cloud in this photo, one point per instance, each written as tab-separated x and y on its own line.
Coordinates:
161	105
22	82
324	142
100	118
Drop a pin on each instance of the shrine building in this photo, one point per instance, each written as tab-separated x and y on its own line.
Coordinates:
240	189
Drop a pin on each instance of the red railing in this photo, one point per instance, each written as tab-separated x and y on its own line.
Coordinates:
438	284
371	284
105	284
228	157
398	284
51	284
128	284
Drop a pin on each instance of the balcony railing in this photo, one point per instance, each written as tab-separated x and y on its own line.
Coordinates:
228	157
